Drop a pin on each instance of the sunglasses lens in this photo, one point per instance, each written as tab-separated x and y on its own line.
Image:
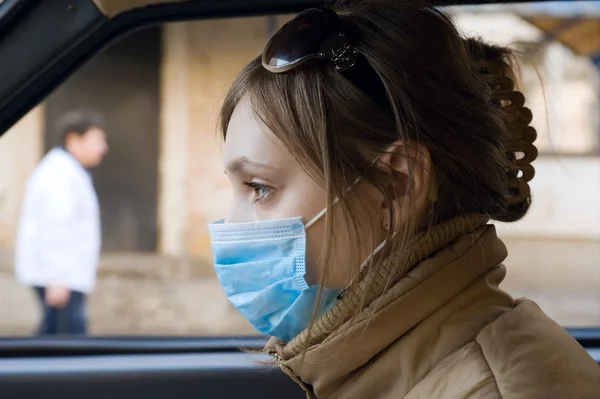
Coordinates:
300	38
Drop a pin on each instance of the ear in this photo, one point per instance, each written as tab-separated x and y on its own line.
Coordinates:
414	184
71	139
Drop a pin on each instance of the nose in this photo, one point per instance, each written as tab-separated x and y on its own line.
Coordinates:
231	215
239	213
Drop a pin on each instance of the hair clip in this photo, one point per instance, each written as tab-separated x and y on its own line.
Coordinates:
520	147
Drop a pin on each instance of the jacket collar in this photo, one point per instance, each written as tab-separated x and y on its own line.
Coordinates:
444	261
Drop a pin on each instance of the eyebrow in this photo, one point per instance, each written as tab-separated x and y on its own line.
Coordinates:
238	163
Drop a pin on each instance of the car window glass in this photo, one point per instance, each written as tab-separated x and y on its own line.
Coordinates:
162	181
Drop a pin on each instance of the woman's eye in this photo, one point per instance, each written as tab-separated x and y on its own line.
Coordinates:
260	191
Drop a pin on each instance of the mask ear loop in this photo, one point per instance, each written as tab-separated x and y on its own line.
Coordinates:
335	201
316	218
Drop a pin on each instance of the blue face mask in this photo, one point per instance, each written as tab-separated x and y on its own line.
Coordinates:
261	267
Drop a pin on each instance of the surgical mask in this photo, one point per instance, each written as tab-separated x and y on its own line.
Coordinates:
261	267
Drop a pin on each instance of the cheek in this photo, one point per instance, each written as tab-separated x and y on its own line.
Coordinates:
92	149
339	271
303	197
348	248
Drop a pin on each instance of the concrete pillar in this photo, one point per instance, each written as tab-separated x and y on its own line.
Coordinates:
174	142
21	149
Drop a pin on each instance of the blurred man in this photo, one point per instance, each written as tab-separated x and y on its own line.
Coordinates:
59	233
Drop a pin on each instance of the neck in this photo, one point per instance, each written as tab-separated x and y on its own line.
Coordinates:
71	151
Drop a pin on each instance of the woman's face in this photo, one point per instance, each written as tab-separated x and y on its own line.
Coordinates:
268	183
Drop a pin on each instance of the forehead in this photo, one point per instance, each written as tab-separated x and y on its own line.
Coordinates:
248	137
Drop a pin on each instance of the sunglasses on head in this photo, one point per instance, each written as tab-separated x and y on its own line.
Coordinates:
318	33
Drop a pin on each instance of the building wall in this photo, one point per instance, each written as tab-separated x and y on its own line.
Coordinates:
20	150
197	68
175	133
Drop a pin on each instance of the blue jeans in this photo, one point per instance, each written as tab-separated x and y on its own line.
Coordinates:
70	320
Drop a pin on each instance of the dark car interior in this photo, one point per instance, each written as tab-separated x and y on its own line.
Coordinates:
42	43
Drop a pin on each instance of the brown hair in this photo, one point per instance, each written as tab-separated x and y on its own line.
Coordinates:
452	95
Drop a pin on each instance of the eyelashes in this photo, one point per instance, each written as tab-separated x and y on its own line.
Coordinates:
260	191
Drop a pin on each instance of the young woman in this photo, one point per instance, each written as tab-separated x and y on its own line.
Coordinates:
368	148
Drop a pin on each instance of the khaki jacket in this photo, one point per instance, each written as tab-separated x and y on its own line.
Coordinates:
443	330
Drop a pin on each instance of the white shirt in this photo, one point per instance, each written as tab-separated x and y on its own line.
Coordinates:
59	231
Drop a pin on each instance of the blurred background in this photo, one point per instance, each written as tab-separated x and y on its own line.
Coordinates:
163	181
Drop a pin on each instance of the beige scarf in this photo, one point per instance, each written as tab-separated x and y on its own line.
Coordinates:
364	292
386	273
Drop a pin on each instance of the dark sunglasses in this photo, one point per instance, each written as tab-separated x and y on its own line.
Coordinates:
317	34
